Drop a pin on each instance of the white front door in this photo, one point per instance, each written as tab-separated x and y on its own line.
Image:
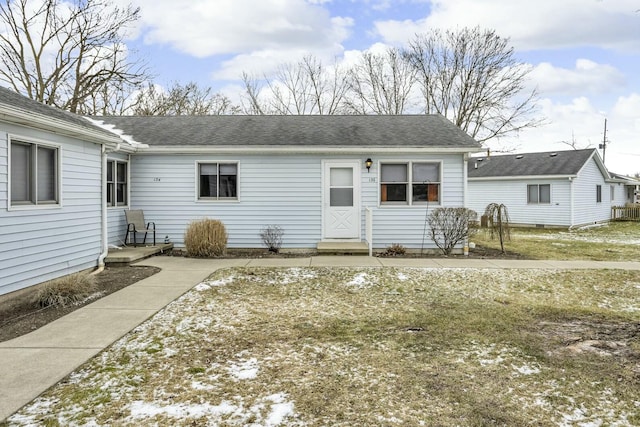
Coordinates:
341	199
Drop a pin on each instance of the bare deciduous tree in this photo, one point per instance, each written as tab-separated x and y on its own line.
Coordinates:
189	99
381	84
304	87
70	54
471	77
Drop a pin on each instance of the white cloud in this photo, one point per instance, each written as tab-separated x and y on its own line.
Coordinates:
581	122
203	28
532	25
587	77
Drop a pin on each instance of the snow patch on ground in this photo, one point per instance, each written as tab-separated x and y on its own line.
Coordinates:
244	369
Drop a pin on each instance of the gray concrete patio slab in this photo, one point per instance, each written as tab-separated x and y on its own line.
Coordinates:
26	372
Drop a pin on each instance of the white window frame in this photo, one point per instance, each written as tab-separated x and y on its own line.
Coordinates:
538	202
598	193
217	199
114	192
409	183
34	144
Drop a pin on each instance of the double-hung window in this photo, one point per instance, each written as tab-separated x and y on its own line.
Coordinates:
409	183
35	176
539	193
116	183
217	181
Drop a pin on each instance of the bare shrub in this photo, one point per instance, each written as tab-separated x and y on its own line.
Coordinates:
65	291
498	222
205	238
450	226
396	249
272	237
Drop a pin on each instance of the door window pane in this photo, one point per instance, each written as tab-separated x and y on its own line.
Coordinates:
341	197
341	177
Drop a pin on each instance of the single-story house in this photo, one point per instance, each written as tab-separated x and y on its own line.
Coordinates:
320	178
557	189
51	192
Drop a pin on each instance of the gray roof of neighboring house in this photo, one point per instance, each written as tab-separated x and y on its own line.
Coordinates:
20	102
308	130
564	163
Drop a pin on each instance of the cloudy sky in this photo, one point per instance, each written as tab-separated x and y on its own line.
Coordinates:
585	54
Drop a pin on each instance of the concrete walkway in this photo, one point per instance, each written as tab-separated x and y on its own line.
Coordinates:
36	361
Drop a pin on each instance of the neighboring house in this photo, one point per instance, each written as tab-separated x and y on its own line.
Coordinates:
65	181
306	174
560	188
50	192
631	187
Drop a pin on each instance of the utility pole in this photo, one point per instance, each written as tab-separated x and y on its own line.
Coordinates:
603	146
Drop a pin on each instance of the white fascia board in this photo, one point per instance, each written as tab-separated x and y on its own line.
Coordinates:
521	177
54	125
297	149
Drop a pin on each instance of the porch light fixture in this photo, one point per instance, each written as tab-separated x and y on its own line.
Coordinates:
368	164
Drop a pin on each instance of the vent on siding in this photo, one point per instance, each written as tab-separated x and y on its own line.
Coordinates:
519	156
553	154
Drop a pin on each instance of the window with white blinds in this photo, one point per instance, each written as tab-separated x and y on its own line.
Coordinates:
34	174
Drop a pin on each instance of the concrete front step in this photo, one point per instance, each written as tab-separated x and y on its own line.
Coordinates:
130	254
325	248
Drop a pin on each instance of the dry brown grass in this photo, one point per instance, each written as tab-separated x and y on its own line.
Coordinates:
65	291
615	242
346	347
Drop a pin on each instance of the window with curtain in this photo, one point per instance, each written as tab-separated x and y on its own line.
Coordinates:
34	174
539	194
409	183
218	181
117	178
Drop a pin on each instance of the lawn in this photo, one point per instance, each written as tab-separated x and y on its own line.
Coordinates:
344	347
619	241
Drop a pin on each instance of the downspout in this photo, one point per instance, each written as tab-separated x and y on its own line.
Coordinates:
103	222
571	203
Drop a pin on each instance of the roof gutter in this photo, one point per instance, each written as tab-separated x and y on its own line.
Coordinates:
299	149
522	177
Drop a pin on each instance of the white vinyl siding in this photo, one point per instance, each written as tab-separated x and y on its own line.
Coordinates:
283	190
587	210
43	244
514	194
573	201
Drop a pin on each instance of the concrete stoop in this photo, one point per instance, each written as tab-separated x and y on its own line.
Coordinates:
129	254
343	248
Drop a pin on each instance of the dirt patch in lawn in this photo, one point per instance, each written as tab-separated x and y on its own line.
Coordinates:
589	337
21	315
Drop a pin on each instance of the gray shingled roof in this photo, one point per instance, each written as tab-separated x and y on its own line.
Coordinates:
565	163
17	101
370	131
